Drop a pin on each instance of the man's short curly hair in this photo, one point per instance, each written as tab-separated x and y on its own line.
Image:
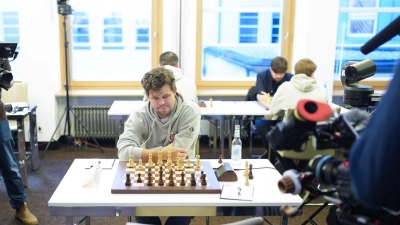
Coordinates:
156	78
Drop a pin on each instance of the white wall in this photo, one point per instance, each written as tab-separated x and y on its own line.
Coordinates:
314	37
40	64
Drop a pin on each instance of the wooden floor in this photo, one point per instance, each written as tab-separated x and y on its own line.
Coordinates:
54	165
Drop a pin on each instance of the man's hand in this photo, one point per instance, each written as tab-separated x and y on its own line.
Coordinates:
174	152
264	98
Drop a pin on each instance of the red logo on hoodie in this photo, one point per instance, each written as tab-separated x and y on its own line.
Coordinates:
171	136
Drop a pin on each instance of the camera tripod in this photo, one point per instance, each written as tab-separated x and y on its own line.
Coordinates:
69	139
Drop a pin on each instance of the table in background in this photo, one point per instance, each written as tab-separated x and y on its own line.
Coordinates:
220	110
99	201
33	153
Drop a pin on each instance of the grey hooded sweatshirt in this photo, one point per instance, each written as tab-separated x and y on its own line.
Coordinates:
143	129
290	92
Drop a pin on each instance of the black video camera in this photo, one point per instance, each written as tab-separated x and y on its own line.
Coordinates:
7	51
311	118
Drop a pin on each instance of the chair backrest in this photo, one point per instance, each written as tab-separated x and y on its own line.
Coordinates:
309	146
251	94
18	93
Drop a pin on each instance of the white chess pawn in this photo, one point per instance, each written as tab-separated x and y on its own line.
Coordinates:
140	166
131	162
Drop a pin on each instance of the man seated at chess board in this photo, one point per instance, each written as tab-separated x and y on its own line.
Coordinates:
166	122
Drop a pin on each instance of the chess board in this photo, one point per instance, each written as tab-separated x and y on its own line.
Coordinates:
119	186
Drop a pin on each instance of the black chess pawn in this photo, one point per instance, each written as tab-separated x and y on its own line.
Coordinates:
201	174
192	180
149	183
128	180
182	179
139	180
251	172
220	159
203	180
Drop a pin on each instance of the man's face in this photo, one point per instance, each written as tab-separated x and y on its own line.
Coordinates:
162	101
277	76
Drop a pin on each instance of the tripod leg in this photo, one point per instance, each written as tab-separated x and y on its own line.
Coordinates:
59	122
87	131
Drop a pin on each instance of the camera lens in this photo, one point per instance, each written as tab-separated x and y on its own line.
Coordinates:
360	71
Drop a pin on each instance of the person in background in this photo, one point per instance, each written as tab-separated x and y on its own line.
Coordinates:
185	86
266	86
167	122
10	170
301	86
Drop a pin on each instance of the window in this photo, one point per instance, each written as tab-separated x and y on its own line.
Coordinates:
248	27
238	40
105	37
358	22
9	32
275	27
80	31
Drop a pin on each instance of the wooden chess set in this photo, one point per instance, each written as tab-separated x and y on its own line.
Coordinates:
165	177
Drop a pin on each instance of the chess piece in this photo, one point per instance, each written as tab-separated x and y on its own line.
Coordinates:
150	162
128	180
201	174
169	156
246	170
140	166
149	183
131	162
139	180
159	161
251	172
247	183
211	105
160	180
179	163
182	179
171	178
198	162
220	159
188	164
192	180
203	179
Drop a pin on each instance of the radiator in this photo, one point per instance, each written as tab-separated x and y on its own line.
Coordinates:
95	119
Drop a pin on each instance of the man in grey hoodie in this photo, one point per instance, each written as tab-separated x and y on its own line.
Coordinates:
301	86
167	122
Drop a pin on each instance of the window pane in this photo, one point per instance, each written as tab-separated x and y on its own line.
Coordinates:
9	32
356	28
237	38
108	33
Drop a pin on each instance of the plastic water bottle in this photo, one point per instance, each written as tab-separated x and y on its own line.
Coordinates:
236	154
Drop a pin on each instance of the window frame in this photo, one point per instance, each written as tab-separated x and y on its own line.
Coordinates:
156	48
379	85
286	46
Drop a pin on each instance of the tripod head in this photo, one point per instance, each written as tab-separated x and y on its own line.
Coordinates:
63	8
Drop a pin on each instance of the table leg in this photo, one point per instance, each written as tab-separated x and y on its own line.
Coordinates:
221	137
33	141
284	220
215	129
68	220
116	131
21	151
